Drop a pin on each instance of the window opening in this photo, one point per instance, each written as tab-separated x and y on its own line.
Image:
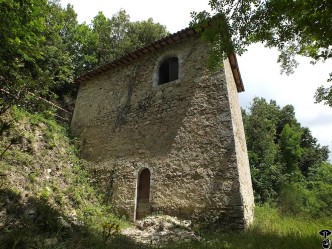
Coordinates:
169	70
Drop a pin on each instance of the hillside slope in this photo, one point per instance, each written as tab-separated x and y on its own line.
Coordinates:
46	198
47	201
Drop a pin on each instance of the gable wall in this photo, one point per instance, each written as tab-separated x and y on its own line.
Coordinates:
182	131
126	107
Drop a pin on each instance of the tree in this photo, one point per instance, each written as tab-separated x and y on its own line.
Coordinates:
260	129
84	50
142	33
280	150
290	148
313	153
22	27
43	48
298	27
34	61
106	44
57	63
118	35
286	115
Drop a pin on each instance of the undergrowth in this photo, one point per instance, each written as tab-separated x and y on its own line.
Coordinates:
271	230
47	200
46	196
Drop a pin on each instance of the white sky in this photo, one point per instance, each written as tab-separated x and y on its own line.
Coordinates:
259	69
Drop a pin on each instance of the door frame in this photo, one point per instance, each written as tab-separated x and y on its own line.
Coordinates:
138	174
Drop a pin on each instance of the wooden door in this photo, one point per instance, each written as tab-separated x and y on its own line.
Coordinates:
143	194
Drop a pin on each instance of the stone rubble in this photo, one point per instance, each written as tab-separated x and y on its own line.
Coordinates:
161	229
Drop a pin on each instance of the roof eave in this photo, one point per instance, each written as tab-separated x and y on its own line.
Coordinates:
157	45
127	58
236	72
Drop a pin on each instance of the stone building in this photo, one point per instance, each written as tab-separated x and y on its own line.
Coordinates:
165	135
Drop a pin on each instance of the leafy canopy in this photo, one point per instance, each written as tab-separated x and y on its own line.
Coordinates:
295	27
43	48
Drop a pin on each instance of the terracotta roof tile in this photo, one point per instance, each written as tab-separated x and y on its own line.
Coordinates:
157	45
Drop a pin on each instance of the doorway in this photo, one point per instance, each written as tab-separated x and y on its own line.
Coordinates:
143	194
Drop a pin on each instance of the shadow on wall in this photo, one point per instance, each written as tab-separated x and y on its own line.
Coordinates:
146	124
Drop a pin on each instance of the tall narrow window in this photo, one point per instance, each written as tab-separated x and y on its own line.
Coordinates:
169	70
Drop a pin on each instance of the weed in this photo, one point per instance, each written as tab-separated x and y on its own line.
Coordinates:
18	114
110	228
45	194
33	177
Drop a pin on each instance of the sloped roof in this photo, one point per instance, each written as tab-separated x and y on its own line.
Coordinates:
158	45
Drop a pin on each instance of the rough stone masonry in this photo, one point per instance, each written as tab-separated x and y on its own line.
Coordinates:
174	147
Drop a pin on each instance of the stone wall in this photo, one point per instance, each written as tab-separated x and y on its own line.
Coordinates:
246	190
188	133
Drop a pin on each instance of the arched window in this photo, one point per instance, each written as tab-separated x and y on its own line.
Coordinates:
169	70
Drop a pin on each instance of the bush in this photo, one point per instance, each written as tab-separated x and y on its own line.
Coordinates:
311	197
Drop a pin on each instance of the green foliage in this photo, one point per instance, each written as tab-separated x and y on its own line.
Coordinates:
34	221
43	186
295	199
310	197
216	35
280	150
43	48
141	33
260	129
32	57
320	186
270	230
290	147
324	94
300	27
116	36
84	49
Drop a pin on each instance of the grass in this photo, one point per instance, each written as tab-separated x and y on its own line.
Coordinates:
271	230
69	188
